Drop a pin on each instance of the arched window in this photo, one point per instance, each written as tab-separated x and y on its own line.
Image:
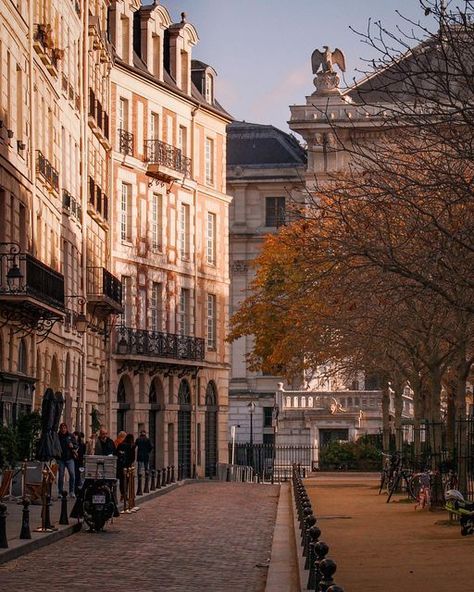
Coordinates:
121	392
184	393
211	394
22	357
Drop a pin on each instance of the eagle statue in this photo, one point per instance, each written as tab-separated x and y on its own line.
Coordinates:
326	59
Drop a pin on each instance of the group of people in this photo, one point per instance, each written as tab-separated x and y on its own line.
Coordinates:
126	448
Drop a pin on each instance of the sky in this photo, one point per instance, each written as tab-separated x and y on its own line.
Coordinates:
261	49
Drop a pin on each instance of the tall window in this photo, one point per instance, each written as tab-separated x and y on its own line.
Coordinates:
274	211
209	156
211	238
123	114
209	88
127	300
154	126
126	213
157	222
184	324
142	308
211	321
156	308
184	234
182	140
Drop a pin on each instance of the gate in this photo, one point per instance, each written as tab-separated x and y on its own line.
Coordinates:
184	429
211	430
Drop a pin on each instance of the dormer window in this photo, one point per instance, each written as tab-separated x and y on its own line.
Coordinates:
209	90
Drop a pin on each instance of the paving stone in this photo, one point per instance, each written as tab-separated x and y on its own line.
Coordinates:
208	536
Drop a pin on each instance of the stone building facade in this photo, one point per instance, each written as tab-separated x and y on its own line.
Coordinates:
169	240
114	224
49	65
265	176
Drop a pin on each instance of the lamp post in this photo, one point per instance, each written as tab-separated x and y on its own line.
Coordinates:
10	253
251	408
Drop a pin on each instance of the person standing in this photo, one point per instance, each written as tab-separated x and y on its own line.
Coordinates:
66	461
79	459
144	447
125	460
104	446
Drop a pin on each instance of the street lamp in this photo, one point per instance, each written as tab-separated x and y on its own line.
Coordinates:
10	252
80	322
251	408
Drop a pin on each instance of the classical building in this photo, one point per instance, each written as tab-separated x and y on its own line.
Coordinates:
114	224
53	58
265	176
169	244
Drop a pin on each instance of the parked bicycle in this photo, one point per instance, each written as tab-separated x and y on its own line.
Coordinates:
391	463
400	475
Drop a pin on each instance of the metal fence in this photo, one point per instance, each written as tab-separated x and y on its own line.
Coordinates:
274	462
429	446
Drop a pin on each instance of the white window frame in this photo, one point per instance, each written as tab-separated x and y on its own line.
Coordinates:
126	213
157	222
209	161
184	309
211	227
184	231
156	306
211	322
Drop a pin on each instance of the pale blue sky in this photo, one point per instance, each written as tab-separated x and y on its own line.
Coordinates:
261	48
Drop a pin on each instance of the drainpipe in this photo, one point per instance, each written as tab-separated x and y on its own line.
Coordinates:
84	170
196	381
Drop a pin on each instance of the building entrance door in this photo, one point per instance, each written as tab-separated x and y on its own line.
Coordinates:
211	430
184	428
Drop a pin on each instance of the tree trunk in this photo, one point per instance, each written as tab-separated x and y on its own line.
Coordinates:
386	418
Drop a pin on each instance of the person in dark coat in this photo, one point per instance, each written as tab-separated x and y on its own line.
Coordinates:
125	460
66	460
104	446
79	459
144	447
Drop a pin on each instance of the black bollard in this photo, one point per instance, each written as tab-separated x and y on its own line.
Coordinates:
47	513
321	549
3	527
158	478
63	518
313	537
163	477
25	532
146	488
328	568
308	523
153	480
139	484
172	474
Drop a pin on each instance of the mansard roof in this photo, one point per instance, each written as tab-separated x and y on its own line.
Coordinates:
253	144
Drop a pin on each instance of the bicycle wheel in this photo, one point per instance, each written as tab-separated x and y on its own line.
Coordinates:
383	477
393	484
414	486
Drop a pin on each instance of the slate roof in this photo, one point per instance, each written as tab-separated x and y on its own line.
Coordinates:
253	144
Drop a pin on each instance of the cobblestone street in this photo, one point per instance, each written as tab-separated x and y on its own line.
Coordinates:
203	537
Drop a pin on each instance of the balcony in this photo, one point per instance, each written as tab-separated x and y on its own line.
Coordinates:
104	292
98	202
125	141
71	205
166	163
30	291
48	172
44	45
99	120
156	344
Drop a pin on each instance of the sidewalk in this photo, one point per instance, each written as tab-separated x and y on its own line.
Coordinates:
18	547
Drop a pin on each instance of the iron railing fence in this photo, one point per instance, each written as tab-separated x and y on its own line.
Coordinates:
273	462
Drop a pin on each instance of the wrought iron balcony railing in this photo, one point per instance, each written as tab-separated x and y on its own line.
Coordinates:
33	278
158	152
71	205
157	344
125	142
47	171
103	287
